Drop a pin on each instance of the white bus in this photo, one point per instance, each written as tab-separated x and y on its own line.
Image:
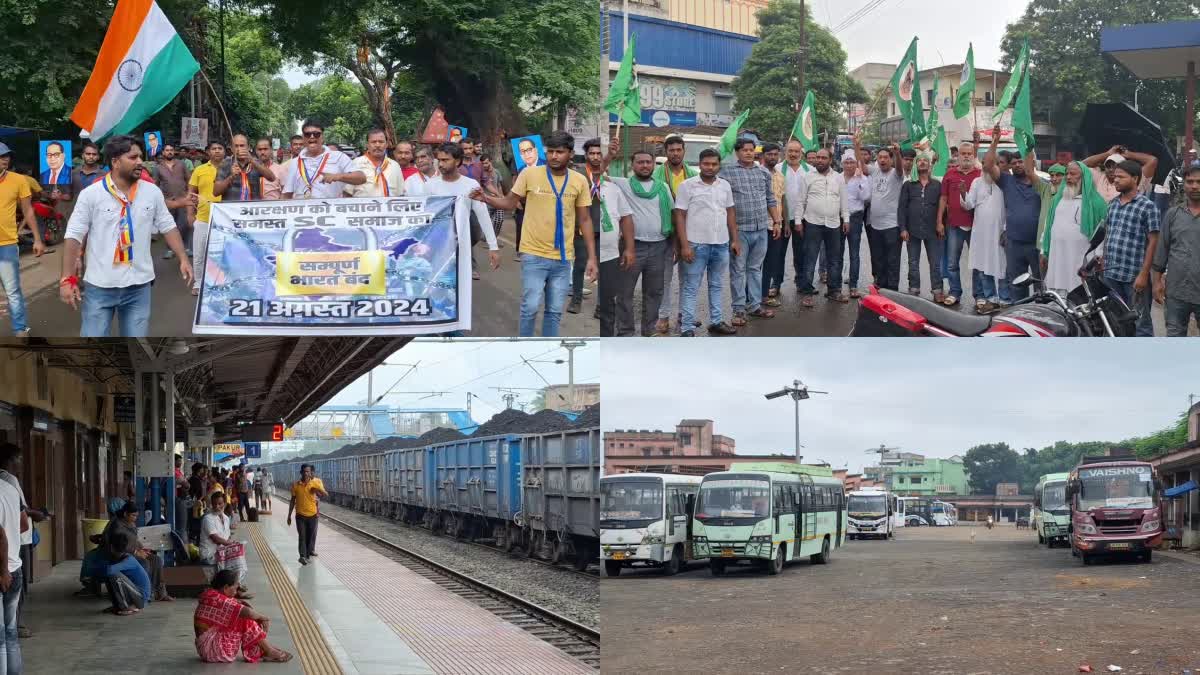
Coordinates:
870	512
645	519
944	514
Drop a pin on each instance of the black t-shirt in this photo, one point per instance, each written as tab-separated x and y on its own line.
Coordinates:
254	181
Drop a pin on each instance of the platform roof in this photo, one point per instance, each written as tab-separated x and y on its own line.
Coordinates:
1153	51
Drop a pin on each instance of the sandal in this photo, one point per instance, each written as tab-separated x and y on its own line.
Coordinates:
854	293
739	319
809	301
772	302
663	326
761	313
950	300
840	297
195	291
773	292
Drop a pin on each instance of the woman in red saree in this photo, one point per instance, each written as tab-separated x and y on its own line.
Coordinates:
225	625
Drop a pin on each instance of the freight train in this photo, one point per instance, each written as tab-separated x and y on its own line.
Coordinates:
538	493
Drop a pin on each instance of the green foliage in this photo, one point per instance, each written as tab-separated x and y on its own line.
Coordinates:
1165	440
989	464
337	103
767	83
1068	71
872	133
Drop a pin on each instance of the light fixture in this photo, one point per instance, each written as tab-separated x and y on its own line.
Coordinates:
177	346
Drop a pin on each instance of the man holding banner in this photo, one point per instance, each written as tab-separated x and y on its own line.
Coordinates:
384	177
320	173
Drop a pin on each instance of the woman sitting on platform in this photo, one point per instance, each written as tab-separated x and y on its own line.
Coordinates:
224	625
216	546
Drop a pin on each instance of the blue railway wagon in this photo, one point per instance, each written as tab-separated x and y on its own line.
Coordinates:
344	471
476	487
369	492
412	487
560	494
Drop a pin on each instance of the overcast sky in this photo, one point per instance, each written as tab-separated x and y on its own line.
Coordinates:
935	397
476	367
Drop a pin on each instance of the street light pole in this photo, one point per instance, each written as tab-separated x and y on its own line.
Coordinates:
570	346
799	392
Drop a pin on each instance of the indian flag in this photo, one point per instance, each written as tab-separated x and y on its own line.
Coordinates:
142	65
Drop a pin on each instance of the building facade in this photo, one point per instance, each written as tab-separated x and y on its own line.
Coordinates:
1180	469
931	476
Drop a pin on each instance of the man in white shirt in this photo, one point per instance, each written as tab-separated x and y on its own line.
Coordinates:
320	173
414	185
115	218
616	245
823	221
450	182
707	230
12	524
794	169
10	469
384	177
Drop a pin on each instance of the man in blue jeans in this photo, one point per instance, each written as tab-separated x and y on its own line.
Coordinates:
554	199
12	522
1176	252
115	218
957	222
15	191
706	226
758	218
1130	243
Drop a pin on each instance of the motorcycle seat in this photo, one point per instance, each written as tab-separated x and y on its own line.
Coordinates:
966	325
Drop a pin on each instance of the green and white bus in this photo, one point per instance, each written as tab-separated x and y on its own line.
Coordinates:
1051	514
768	513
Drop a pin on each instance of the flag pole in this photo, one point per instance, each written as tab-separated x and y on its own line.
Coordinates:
219	105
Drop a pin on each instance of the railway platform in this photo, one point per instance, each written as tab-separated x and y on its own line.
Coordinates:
352	610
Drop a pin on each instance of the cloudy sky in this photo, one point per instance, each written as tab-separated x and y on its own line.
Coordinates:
476	367
936	397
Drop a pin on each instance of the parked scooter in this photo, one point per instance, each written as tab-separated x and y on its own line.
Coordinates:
1091	310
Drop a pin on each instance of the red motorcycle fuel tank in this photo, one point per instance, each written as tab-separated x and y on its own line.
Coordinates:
1032	321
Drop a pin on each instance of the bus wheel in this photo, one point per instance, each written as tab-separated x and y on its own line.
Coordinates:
717	567
850	536
776	565
1042	540
671	567
821	558
612	568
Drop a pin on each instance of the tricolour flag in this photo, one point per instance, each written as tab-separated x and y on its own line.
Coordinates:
906	84
142	65
966	86
624	96
1014	81
805	128
730	136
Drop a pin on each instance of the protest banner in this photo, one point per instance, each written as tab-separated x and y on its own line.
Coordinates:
194	133
366	266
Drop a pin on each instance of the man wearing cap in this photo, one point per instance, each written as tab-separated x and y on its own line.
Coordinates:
1129	245
1058	173
1104	165
14	191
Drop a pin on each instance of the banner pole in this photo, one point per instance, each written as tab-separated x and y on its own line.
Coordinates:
219	105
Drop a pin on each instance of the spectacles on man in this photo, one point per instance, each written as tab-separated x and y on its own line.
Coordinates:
313	134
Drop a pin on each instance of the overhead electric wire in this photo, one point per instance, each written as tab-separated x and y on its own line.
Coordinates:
865	11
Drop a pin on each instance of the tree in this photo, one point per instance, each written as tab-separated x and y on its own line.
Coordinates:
336	102
1067	70
481	58
1164	440
872	130
767	83
989	464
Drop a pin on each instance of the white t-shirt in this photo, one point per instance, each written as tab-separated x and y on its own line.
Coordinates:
389	173
706	206
250	478
95	223
613	201
213	523
647	218
27	535
414	185
337	162
10	520
461	187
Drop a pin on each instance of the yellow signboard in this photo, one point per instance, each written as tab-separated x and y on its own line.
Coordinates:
234	449
343	273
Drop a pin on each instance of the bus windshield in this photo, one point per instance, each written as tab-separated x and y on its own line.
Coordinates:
866	505
1054	497
630	504
1124	487
734	498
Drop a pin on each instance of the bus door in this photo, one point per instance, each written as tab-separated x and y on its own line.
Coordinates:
839	504
809	515
691	512
677	515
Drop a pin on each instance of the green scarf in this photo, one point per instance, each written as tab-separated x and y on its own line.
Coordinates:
1093	211
660	173
660	190
605	222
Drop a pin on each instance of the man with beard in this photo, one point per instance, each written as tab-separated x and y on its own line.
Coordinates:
673	173
918	218
240	178
320	173
414	185
823	224
758	220
471	167
15	192
883	229
651	203
114	219
384	177
271	189
957	222
171	176
403	154
1024	192
615	235
90	171
450	182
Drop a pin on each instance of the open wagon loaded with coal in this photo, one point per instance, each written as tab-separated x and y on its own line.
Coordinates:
519	481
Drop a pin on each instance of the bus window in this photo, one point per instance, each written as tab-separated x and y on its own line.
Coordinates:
734	498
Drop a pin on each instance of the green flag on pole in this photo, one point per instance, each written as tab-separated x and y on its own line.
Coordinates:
804	130
624	97
906	85
1022	118
1014	82
937	134
966	86
731	134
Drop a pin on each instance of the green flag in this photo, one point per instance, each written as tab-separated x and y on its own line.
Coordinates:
731	134
1022	118
932	125
937	134
906	85
624	97
966	86
804	130
1014	81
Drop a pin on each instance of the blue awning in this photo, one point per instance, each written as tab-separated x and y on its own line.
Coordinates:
1179	490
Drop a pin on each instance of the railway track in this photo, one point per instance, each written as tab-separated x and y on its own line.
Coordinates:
577	640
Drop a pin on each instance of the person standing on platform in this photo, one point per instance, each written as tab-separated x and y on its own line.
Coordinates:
244	487
12	524
306	493
10	470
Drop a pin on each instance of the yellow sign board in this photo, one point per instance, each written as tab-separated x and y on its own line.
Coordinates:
343	273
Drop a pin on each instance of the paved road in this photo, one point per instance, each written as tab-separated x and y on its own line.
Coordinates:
496	299
830	319
929	602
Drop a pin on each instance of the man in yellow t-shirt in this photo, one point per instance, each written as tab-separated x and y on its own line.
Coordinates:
14	190
548	232
305	494
201	183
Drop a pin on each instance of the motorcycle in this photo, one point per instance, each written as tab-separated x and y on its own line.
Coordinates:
1091	310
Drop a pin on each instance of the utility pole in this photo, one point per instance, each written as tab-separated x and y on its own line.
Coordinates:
798	392
800	58
570	346
605	50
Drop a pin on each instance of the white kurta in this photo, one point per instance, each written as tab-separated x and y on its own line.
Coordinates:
986	254
1067	246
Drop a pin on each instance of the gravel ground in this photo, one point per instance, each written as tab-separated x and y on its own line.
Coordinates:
932	602
556	589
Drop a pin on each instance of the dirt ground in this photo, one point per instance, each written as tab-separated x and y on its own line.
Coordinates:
931	601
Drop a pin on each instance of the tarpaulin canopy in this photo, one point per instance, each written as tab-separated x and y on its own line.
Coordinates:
1179	490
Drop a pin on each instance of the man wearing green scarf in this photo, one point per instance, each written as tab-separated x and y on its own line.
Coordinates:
651	203
673	173
1075	212
1058	172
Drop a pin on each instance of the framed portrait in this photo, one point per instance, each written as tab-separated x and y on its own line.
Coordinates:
153	141
456	134
528	151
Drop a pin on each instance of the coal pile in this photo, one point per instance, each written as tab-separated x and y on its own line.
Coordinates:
505	422
590	417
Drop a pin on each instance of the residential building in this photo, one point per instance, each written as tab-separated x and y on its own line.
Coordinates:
1180	473
929	477
691	449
